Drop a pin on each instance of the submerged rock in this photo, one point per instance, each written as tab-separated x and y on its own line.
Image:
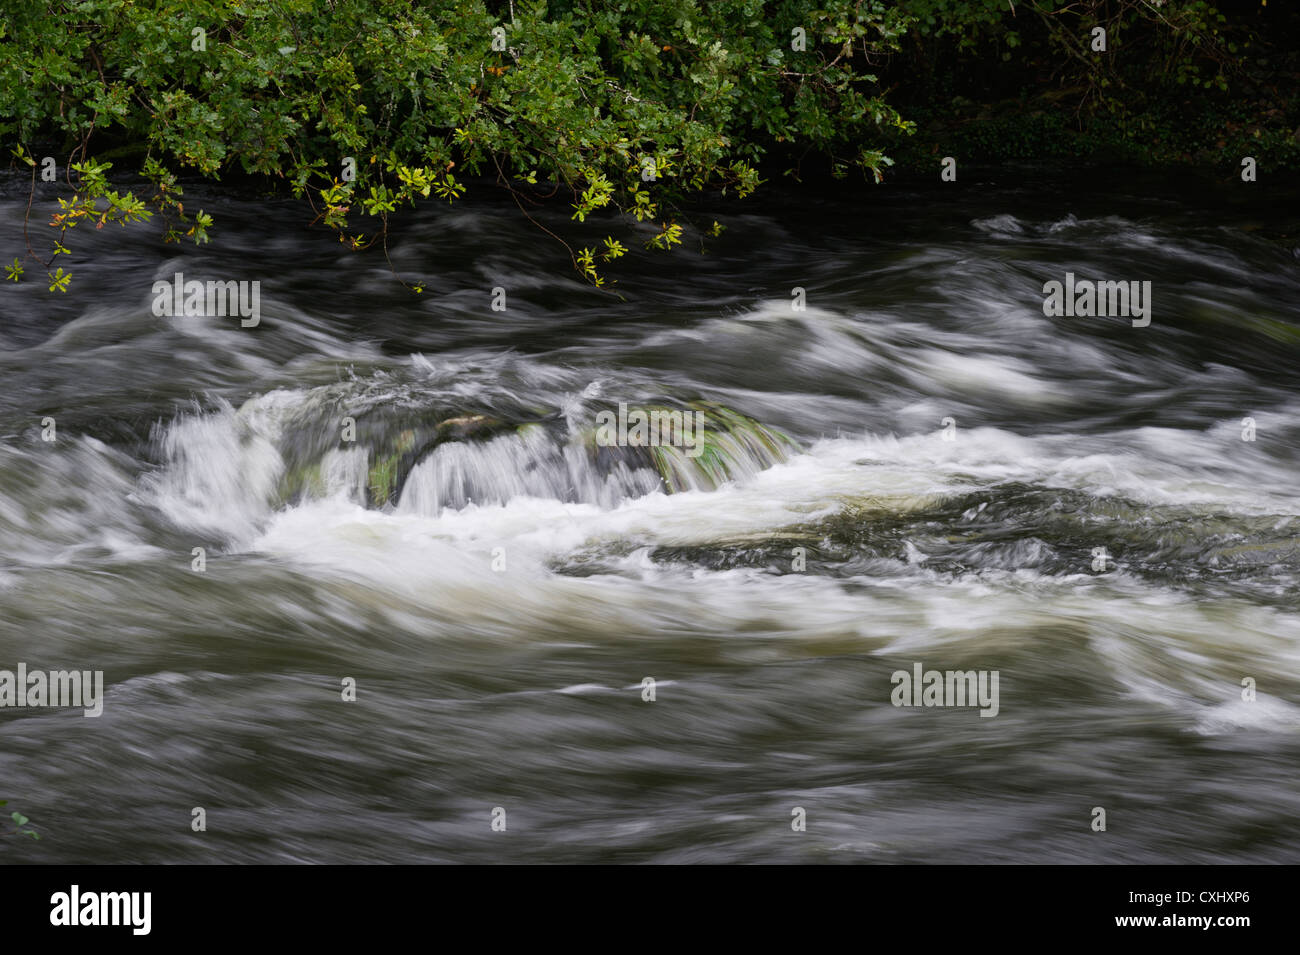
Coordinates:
705	446
399	460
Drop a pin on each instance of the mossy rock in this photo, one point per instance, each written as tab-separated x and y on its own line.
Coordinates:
725	437
384	469
390	470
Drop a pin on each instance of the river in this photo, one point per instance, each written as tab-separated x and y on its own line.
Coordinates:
552	659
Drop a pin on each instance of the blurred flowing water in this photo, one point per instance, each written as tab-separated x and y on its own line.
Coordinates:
519	686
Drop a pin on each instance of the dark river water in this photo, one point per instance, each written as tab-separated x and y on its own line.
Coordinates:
1091	523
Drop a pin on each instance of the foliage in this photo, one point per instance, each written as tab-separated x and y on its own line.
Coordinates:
620	109
20	823
368	106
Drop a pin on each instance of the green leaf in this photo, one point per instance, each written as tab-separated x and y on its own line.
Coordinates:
59	280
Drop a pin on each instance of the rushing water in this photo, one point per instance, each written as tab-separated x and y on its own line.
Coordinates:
500	609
